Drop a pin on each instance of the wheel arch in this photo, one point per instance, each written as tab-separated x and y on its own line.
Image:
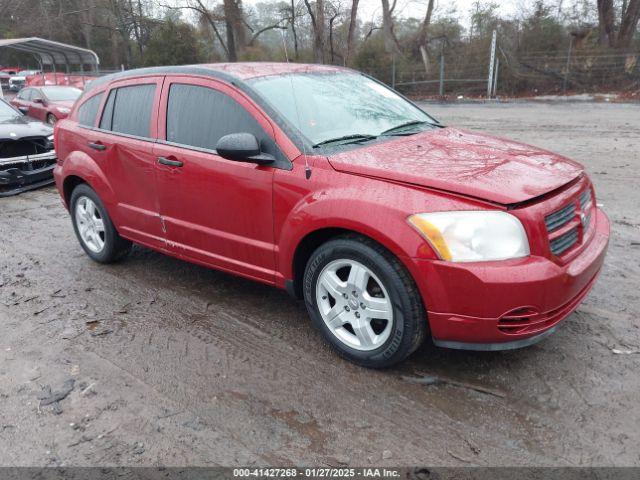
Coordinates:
315	238
68	186
80	168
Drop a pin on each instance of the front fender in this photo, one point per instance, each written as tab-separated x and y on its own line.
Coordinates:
370	207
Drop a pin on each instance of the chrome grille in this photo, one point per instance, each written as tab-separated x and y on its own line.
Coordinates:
560	218
585	199
564	242
581	204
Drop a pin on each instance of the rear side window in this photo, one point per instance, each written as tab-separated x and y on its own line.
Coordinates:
199	116
107	112
128	110
88	111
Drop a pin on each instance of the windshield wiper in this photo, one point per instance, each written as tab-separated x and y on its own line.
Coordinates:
394	130
352	138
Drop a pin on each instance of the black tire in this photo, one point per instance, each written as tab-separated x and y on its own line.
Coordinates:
115	247
409	324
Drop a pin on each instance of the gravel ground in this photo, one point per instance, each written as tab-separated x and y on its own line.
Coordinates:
178	365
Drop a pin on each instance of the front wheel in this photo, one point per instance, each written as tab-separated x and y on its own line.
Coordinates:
364	302
51	119
93	227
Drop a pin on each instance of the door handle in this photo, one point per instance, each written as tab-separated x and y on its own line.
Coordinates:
97	146
169	162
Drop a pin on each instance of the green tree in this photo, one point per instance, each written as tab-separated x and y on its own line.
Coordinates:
172	42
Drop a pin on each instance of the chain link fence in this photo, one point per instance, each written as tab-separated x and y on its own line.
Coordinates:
454	70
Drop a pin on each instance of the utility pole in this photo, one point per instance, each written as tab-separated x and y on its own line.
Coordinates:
492	60
393	70
495	78
568	67
442	72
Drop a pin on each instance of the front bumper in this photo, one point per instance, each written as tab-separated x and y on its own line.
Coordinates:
21	176
508	304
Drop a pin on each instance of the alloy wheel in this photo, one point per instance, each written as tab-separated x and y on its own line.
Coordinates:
90	224
354	304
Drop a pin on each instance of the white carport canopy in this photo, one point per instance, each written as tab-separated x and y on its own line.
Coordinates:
50	53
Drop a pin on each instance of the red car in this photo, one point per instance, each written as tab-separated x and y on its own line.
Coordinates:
47	104
324	182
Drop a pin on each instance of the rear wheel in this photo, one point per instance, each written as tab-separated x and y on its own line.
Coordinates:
51	119
364	302
93	227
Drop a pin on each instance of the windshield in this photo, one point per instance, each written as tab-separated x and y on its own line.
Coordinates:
7	112
61	94
338	105
25	73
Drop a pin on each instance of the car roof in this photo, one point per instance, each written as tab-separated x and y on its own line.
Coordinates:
235	73
248	70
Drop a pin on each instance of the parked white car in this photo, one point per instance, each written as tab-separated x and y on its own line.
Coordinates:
18	81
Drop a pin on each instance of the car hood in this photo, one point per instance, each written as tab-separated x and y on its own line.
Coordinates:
468	163
22	127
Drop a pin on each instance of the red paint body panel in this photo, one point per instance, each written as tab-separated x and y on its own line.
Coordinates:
457	313
469	163
216	211
249	219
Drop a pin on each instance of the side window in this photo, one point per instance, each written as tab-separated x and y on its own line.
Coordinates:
35	94
25	94
128	110
199	116
88	111
107	112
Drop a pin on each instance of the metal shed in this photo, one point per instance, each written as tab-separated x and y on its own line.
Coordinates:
49	54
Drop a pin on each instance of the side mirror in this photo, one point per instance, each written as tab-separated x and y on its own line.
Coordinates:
38	100
242	147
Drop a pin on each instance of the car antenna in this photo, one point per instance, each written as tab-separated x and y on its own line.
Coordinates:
307	168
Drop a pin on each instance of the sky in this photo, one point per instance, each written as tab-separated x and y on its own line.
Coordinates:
417	8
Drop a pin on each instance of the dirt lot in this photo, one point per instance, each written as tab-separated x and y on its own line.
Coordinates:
178	365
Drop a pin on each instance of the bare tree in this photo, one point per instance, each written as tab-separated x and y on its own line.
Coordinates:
318	24
293	28
353	21
606	22
234	23
390	41
332	19
424	26
208	16
631	16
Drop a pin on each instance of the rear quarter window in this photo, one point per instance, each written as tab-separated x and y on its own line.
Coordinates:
88	111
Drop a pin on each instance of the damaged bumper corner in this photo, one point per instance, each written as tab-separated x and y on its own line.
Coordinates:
20	174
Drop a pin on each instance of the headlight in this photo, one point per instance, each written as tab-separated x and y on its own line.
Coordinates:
64	110
473	236
50	142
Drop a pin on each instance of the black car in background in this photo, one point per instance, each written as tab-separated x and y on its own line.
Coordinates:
27	156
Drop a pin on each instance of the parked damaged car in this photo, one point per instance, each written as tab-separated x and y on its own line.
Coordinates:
48	104
27	156
324	182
